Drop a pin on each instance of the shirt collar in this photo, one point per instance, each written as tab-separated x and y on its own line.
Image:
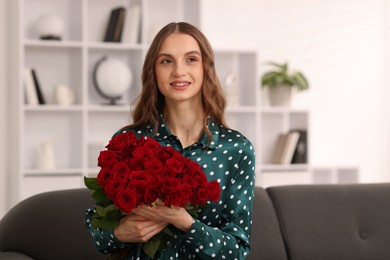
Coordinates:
163	133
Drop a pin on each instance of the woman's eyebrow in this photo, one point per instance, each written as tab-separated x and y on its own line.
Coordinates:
186	54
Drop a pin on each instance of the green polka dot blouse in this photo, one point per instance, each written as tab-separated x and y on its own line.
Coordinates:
222	230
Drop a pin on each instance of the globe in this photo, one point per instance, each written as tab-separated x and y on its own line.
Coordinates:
112	78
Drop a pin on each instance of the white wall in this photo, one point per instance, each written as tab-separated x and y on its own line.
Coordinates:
343	48
3	108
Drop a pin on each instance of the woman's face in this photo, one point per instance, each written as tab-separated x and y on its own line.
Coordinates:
179	68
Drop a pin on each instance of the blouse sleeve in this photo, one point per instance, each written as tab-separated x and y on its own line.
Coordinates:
231	239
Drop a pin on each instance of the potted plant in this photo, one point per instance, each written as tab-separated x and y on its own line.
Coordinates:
280	83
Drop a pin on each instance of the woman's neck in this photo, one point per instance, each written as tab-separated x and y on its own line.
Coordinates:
185	122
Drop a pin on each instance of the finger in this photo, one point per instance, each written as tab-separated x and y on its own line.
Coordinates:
154	229
149	230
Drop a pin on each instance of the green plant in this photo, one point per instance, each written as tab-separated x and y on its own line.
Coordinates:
281	76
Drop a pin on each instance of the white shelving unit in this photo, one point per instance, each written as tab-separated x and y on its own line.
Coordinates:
79	131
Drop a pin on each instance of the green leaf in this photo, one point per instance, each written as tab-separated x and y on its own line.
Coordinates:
100	211
108	223
281	76
167	231
151	246
100	196
111	211
300	81
193	211
96	222
91	183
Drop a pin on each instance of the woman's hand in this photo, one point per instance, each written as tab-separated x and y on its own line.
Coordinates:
134	228
176	216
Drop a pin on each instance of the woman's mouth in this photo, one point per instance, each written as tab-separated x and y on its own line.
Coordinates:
180	85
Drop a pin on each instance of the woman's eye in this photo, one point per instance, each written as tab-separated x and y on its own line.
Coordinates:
165	61
192	59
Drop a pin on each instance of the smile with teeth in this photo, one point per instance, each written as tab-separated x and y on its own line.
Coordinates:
180	84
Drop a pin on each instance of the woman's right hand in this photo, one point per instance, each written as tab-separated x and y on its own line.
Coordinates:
133	228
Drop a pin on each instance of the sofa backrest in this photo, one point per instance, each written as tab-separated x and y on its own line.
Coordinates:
266	237
43	225
334	221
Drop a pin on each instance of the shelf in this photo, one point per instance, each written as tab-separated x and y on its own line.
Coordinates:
52	108
241	109
287	167
53	43
281	110
109	108
115	46
53	172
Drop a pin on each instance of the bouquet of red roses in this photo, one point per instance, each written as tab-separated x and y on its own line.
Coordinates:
140	171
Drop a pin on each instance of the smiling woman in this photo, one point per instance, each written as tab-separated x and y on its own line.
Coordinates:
185	111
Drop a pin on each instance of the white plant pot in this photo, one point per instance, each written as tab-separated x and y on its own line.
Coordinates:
280	95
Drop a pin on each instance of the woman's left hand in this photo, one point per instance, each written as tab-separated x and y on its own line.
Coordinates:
176	216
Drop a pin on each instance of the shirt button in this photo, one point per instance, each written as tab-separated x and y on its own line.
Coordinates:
169	243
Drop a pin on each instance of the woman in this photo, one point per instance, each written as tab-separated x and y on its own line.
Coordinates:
182	106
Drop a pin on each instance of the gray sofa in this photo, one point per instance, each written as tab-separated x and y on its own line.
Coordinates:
289	222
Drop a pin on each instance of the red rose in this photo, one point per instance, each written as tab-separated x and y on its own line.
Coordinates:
143	153
199	197
138	175
155	180
200	178
107	158
113	187
164	153
121	141
126	200
192	168
213	190
189	180
135	164
151	194
175	165
169	183
151	144
105	175
120	169
179	195
153	166
138	187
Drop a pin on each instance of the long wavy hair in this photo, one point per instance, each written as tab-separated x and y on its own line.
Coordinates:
150	104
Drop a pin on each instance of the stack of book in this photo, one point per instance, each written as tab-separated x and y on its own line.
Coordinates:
124	25
290	148
34	95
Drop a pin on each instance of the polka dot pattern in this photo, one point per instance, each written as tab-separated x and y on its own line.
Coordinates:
222	229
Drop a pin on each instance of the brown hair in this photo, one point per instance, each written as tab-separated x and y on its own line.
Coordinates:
150	104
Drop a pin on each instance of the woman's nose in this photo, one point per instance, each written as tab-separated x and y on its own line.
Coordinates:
179	70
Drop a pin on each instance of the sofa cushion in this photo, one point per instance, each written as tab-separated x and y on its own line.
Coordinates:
334	221
266	237
14	256
49	226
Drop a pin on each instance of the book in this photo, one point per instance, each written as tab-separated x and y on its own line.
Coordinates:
119	25
132	26
41	99
29	86
300	153
115	25
277	154
290	146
